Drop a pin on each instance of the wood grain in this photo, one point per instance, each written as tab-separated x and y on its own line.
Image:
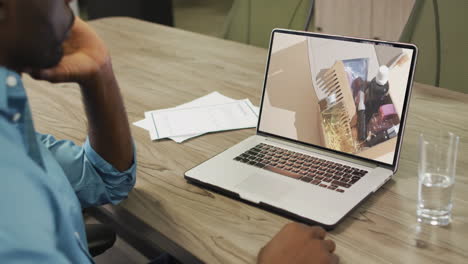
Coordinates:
160	67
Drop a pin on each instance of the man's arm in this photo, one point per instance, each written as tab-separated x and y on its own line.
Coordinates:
87	62
94	180
103	170
108	129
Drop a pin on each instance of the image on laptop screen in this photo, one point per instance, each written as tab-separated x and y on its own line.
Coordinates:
347	96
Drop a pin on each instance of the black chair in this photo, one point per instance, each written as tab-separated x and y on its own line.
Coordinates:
100	238
157	11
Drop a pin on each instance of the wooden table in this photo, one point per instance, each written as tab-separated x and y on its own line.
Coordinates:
160	67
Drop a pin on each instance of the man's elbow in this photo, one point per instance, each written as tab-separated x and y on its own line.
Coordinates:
120	192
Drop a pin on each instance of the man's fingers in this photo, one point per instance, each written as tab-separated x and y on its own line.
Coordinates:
44	75
329	245
318	232
334	259
58	74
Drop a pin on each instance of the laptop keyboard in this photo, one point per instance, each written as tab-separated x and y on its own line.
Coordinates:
323	173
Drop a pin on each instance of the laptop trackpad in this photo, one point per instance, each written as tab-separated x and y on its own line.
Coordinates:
262	187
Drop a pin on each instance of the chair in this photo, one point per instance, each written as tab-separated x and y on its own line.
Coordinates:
159	11
100	238
251	21
442	57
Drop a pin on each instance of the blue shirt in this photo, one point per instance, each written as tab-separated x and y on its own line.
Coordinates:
45	183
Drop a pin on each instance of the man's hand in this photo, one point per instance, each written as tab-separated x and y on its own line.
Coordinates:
85	58
298	243
86	61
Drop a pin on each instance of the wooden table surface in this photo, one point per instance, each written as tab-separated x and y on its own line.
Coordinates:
160	67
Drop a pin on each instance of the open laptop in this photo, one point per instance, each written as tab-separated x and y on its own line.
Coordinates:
319	151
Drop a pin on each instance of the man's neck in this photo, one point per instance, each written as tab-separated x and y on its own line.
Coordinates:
5	63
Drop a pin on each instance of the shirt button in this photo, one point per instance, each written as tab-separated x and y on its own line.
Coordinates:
16	117
11	81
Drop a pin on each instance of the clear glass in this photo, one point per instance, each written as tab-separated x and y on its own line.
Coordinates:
437	169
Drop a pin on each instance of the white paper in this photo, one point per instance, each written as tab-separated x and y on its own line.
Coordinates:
144	123
210	99
213	98
201	119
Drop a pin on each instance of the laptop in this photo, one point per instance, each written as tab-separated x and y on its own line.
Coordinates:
330	128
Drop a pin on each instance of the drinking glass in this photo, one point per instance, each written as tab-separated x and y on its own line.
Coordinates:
437	169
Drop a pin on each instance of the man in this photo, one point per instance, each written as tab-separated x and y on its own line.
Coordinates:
45	182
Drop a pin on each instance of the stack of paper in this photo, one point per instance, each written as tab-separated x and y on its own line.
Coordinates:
211	113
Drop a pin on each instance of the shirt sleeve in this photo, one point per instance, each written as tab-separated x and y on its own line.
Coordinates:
94	180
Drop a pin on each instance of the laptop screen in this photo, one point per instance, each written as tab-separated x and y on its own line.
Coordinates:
341	94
